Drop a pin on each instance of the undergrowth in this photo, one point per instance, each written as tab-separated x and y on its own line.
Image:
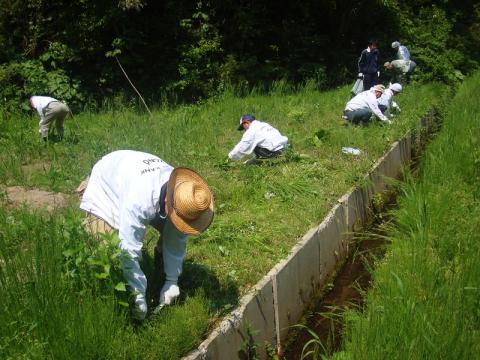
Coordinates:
63	296
425	300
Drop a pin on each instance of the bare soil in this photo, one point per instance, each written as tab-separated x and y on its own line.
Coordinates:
35	198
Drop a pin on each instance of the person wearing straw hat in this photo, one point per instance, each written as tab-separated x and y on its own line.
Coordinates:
260	138
50	110
129	190
361	107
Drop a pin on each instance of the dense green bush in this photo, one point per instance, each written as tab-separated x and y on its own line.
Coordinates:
194	49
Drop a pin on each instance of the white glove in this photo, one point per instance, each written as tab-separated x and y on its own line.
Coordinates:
378	73
140	307
170	291
360	75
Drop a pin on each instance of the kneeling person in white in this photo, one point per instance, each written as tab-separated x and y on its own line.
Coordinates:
260	138
360	108
386	102
129	190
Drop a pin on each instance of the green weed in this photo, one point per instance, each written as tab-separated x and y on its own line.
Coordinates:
62	292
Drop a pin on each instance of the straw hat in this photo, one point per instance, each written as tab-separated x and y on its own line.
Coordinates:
379	88
189	201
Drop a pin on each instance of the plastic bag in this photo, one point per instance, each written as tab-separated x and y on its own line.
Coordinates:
357	87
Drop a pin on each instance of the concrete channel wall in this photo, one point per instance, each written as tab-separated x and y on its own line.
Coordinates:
278	301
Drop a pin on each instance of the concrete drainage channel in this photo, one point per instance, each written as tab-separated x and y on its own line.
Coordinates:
265	315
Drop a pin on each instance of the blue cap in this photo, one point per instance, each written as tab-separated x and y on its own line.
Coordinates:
243	118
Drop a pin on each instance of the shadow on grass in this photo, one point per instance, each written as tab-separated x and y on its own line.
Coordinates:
221	297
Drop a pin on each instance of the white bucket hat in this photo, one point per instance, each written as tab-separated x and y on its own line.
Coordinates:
396	87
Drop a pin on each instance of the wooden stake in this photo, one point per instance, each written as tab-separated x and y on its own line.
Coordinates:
133	86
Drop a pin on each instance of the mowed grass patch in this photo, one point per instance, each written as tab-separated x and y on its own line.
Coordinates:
425	300
261	210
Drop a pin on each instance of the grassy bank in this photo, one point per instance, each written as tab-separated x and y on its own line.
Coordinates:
425	300
61	303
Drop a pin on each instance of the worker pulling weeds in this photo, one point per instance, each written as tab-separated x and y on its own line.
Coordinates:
260	138
50	110
129	190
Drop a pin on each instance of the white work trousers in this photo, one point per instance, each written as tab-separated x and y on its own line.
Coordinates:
57	111
174	245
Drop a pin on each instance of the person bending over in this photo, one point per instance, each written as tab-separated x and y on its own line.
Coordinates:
386	102
361	107
129	190
50	110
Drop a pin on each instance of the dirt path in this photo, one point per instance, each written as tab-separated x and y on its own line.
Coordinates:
36	199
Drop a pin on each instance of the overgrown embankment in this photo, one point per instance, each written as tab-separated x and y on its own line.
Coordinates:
60	293
426	296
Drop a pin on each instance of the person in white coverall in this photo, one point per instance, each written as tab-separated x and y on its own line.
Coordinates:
128	190
361	107
50	110
386	102
260	138
402	51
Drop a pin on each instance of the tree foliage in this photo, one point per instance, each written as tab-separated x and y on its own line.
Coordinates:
195	48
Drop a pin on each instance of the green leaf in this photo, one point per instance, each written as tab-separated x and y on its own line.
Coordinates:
120	286
101	275
123	303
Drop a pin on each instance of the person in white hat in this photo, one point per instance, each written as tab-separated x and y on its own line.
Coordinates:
402	66
50	110
402	51
260	138
361	107
129	190
386	102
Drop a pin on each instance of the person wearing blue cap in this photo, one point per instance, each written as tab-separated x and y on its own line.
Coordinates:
260	138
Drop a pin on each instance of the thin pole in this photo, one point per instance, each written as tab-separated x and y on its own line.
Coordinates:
133	86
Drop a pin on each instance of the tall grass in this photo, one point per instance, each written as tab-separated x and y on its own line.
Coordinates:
426	297
261	212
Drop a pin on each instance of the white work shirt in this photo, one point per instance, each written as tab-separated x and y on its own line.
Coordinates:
387	100
403	53
124	190
366	100
41	102
258	134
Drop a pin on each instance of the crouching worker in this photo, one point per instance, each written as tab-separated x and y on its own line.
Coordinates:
260	138
400	70
361	108
50	110
128	190
386	102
